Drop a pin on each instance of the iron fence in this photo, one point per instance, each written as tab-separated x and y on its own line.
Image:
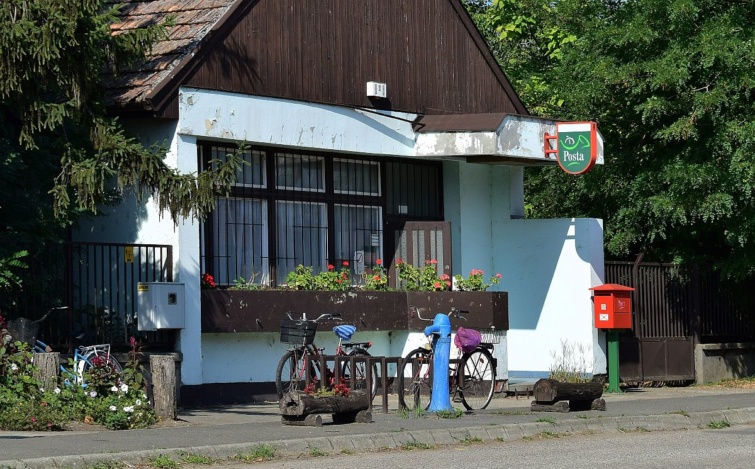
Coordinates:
98	284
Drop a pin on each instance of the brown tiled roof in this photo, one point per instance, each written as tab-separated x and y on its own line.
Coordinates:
193	19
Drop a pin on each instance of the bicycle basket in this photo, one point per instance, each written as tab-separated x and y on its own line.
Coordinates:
298	331
492	336
467	339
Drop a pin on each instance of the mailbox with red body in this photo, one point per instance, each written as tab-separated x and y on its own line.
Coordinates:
613	306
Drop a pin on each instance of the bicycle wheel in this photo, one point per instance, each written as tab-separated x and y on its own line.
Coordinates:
290	373
105	366
415	380
360	374
476	379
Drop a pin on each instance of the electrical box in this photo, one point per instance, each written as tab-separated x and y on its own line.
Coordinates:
376	89
613	306
160	305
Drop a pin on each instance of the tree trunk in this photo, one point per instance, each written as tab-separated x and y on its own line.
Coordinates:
295	403
550	390
48	365
163	370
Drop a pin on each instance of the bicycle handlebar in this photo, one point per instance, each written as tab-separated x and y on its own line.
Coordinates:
456	312
325	316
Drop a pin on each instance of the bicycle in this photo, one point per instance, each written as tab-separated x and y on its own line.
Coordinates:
471	379
292	372
84	359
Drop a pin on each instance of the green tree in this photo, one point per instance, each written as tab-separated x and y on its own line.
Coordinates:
60	151
671	84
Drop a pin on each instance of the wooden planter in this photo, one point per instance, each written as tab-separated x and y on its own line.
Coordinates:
262	311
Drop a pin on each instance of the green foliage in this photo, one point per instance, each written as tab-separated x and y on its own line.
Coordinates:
117	401
475	281
62	151
424	278
259	453
304	278
671	85
377	279
8	278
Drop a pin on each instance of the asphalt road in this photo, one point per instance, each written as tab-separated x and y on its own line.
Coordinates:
692	449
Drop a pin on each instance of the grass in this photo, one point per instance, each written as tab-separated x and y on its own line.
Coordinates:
454	413
748	382
199	459
511	412
316	452
718	424
415	413
163	462
472	440
412	445
550	420
257	454
547	434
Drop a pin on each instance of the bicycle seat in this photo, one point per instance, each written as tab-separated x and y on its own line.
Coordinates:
345	331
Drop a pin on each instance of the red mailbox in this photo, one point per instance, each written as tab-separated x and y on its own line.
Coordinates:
613	306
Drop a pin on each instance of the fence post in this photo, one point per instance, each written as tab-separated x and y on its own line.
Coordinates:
47	369
163	370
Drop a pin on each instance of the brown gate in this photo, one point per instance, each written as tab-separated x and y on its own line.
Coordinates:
417	242
660	347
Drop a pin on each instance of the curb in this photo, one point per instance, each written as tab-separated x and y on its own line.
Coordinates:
433	437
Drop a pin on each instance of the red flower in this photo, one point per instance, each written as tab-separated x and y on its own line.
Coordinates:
433	261
378	262
499	275
376	278
345	263
331	267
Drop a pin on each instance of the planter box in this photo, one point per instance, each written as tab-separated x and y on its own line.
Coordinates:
262	311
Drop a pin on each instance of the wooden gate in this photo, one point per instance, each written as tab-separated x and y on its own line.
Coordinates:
417	242
660	347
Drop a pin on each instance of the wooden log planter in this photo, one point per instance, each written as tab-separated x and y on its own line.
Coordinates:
298	408
552	396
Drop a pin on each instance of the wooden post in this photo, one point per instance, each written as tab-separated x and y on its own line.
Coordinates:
48	365
163	370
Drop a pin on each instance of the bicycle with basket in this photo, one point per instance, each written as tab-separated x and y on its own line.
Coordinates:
471	376
293	373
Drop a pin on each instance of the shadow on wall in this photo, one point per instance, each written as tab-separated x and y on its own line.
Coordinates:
548	255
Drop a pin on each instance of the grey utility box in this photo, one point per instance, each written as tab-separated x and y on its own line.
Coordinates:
161	305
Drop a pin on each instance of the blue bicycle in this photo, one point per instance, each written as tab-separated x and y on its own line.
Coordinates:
84	359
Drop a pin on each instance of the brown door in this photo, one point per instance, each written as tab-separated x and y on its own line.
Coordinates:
416	242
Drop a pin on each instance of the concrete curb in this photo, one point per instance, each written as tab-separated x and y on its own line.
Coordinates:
392	440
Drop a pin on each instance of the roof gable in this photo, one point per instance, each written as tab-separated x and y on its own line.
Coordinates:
428	52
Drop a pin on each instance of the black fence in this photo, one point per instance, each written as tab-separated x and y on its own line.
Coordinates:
670	301
97	282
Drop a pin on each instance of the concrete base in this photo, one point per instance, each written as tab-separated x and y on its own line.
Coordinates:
716	362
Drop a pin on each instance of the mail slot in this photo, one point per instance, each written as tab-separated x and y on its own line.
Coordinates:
613	306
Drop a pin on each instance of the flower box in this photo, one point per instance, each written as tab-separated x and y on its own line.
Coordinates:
263	310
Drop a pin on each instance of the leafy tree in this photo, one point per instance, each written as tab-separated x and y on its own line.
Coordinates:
671	84
59	148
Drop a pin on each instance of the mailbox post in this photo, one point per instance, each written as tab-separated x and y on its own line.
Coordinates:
612	306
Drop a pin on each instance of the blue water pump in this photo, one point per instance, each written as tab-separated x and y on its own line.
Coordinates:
441	329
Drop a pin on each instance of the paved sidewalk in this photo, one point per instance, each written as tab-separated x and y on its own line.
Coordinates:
224	432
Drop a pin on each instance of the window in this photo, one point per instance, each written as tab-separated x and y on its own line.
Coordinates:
289	208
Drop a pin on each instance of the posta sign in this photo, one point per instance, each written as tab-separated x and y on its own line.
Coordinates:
576	146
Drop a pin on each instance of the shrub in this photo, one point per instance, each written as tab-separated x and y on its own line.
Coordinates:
475	281
424	278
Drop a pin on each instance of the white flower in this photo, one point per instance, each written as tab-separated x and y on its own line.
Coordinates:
41	389
113	408
144	396
114	388
93	394
129	408
13	367
138	402
57	390
124	387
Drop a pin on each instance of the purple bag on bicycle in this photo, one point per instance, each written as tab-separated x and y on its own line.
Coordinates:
467	339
